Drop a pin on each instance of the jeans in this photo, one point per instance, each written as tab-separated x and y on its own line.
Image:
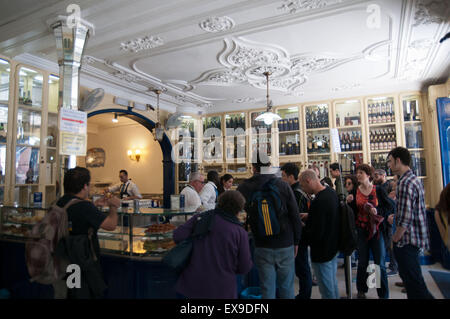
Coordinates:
410	272
387	237
276	269
326	278
378	251
303	272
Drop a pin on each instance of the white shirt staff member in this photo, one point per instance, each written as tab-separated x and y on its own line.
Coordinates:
210	192
128	190
191	192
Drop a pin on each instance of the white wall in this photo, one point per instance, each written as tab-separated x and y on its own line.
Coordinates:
115	141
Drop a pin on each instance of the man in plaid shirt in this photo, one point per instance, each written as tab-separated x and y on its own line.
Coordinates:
411	233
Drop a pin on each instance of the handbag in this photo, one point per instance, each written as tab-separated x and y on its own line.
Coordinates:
178	257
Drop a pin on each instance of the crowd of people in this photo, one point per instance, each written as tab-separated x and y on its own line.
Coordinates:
293	228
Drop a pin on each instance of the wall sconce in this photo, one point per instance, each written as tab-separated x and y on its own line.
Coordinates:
134	156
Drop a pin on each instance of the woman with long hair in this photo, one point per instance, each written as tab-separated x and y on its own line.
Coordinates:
226	181
371	203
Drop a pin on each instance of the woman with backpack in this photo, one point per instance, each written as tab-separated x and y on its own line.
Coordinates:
372	208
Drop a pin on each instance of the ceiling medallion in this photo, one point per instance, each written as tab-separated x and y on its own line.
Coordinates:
139	44
217	24
428	12
292	6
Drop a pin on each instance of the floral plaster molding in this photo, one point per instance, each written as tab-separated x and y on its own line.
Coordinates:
292	6
431	11
139	44
217	24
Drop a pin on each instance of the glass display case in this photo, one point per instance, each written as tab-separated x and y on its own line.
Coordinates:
212	139
316	116
235	138
381	110
261	140
18	221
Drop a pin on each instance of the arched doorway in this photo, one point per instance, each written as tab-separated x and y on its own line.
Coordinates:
166	148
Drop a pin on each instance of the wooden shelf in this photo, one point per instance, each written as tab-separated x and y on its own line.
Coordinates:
318	154
380	151
413	122
318	129
31	107
289	132
348	127
416	149
382	124
351	152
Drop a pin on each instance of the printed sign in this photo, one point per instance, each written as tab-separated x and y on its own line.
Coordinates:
73	132
72	144
335	142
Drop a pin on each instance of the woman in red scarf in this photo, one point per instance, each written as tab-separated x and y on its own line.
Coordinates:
373	204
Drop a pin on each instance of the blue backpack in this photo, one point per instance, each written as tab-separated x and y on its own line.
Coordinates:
265	209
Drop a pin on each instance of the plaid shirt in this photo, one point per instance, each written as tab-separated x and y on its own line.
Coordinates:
411	211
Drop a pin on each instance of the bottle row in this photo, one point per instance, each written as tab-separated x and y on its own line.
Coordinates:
291	124
290	148
384	139
322	166
418	165
379	161
351	141
317	118
212	122
381	112
318	144
235	121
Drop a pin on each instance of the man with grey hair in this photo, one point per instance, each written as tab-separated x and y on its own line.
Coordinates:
379	178
191	191
322	233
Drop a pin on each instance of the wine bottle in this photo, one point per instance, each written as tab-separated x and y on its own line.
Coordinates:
383	112
338	121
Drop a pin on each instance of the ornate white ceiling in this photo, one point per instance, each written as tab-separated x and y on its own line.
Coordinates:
209	55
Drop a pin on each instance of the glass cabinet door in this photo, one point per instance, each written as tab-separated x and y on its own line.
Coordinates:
53	93
260	138
235	140
350	162
316	116
212	139
5	70
30	87
381	110
348	113
289	132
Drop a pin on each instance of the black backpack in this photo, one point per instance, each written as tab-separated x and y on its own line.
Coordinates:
266	209
348	236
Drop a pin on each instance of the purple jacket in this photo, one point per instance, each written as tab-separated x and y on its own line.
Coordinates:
216	260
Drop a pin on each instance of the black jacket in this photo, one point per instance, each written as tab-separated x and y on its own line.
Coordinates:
290	221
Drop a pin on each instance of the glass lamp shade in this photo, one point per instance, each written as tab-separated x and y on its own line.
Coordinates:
268	117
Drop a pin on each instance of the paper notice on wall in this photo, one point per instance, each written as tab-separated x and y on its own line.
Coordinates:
335	142
72	121
73	132
72	144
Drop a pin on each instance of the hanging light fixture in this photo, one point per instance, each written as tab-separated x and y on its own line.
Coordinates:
158	131
268	117
115	120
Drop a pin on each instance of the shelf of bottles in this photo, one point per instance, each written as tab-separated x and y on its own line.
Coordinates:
379	161
351	140
188	153
382	139
289	132
418	164
348	114
320	164
316	116
212	139
381	111
260	137
318	142
350	162
235	141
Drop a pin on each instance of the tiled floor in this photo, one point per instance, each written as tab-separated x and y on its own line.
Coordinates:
394	291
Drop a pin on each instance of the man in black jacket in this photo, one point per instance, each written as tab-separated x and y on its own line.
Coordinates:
289	173
274	255
322	233
85	218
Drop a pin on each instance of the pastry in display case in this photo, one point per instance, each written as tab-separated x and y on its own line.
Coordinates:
18	221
